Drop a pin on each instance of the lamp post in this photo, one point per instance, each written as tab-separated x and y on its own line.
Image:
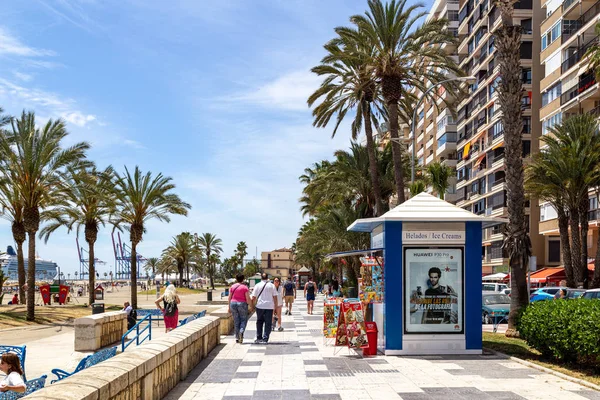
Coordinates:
412	130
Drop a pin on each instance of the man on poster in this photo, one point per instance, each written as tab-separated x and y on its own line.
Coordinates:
438	300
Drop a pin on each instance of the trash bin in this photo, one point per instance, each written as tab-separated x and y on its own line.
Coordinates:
97	308
209	295
372	338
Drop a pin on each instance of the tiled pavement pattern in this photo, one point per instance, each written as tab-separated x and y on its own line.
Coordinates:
299	364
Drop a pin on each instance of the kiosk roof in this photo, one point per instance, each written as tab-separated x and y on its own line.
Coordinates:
424	208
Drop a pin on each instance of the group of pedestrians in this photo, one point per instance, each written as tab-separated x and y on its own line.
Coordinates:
267	299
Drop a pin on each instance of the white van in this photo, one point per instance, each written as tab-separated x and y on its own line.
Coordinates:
493	287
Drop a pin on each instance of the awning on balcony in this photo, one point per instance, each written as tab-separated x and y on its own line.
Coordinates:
479	160
501	144
478	136
466	150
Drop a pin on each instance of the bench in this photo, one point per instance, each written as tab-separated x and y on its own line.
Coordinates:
155	313
86	362
192	317
20	351
30	387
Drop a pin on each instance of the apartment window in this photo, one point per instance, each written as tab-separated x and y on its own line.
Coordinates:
526	27
551	35
526	148
554	251
593	203
421	114
550	122
497	129
526	76
551	94
547	212
452	15
526	124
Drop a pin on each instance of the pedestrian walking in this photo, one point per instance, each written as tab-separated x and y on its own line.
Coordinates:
309	293
239	306
170	311
290	295
279	307
265	298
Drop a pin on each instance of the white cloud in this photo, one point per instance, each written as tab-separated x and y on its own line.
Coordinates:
45	103
288	92
134	143
11	45
23	76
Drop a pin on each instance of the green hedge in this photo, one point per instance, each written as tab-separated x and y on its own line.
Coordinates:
567	330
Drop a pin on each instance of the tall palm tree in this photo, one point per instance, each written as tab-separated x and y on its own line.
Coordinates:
401	51
349	85
180	251
439	175
12	210
240	253
416	187
35	163
510	91
210	244
140	198
212	261
152	265
88	204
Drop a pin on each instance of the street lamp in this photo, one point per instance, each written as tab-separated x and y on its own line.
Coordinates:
412	130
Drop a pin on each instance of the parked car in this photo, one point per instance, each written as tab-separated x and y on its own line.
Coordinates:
592	294
506	292
494	307
545	293
575	293
493	287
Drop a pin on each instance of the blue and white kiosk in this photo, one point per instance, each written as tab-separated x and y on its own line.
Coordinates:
431	252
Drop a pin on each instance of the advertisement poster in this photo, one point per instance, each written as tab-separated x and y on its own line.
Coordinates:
331	312
433	290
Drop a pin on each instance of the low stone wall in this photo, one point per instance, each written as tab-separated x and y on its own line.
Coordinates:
100	330
147	372
225	320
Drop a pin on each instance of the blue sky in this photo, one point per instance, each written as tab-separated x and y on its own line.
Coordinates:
211	93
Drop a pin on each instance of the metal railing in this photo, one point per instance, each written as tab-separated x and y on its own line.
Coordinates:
136	328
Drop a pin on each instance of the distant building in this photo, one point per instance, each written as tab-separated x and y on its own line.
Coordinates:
278	262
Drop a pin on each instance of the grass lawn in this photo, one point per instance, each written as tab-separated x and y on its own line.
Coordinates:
519	348
14	316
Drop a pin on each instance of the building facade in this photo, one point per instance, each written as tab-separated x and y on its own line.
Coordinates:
278	262
568	87
480	139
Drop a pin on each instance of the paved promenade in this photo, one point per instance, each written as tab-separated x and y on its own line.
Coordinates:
299	364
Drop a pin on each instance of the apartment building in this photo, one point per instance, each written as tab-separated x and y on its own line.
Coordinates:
568	86
435	126
278	262
480	142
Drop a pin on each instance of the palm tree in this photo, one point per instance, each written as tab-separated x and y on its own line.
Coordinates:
211	262
89	203
510	91
35	163
439	175
152	265
180	251
349	85
140	198
209	244
12	210
401	51
240	253
417	187
166	265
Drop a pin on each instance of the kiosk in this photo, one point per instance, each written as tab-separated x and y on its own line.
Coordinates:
431	301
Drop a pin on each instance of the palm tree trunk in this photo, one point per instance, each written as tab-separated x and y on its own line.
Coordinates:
584	208
372	159
92	271
180	270
392	107
31	278
563	229
510	91
575	243
21	273
340	272
134	275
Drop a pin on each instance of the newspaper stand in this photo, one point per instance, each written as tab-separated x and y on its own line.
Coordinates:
431	300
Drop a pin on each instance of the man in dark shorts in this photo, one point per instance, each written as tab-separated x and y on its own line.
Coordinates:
289	291
309	293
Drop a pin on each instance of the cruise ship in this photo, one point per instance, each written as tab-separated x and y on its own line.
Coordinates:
44	269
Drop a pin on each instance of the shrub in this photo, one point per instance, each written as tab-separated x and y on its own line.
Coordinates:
567	330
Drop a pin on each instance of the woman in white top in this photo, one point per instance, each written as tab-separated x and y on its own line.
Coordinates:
11	366
277	310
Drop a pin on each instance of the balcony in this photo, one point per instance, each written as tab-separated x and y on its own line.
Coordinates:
578	55
582	21
594	215
586	81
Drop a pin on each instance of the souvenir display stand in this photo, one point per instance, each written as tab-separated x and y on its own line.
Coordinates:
331	312
427	299
351	330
